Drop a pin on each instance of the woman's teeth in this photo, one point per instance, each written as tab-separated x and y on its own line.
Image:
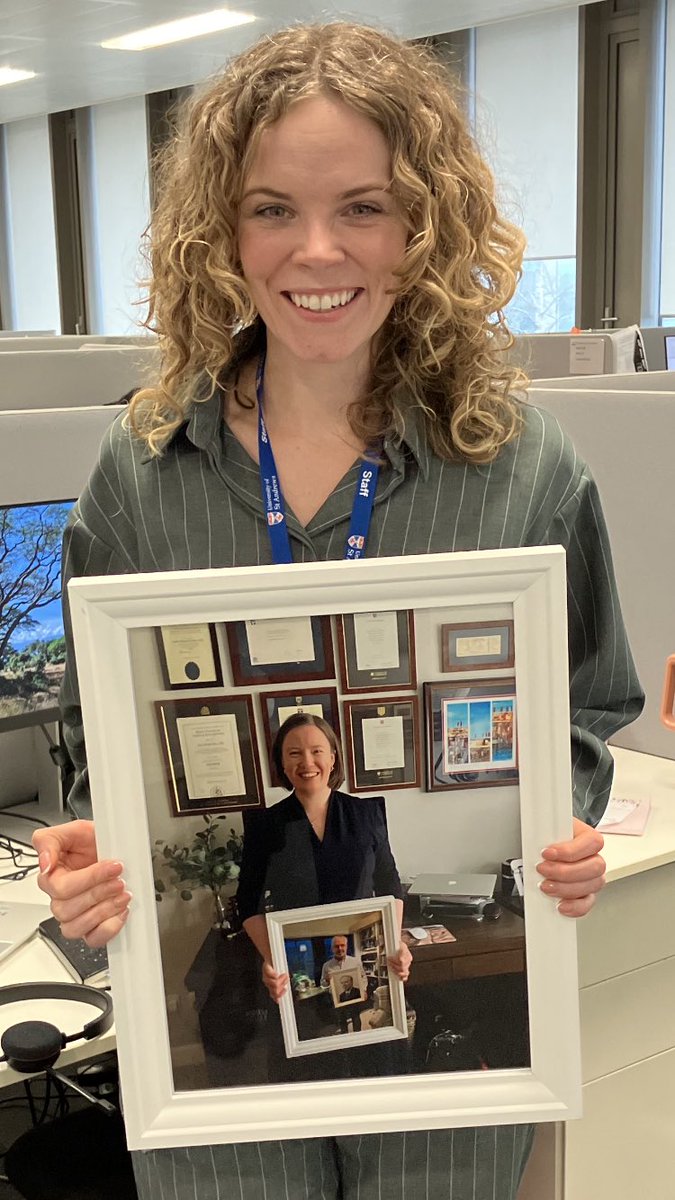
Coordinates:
322	303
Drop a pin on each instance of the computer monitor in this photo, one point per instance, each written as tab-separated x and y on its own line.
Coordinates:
45	459
32	645
669	343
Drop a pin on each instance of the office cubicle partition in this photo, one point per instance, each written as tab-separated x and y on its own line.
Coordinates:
10	340
637	382
628	440
47	379
557	355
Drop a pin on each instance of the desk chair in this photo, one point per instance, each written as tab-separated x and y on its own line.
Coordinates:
82	1156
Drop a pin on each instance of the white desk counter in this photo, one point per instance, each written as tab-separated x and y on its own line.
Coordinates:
623	1145
627	976
34	962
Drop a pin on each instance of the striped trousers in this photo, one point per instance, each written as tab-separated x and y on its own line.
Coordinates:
459	1164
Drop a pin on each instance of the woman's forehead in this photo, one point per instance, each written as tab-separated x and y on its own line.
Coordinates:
319	134
304	736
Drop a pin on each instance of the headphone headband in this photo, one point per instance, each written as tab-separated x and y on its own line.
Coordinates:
15	993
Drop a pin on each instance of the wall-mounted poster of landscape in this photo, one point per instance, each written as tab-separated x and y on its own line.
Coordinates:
32	646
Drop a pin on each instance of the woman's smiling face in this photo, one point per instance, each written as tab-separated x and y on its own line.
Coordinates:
307	761
320	233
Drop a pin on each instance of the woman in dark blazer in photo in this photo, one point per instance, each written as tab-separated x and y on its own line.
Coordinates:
317	846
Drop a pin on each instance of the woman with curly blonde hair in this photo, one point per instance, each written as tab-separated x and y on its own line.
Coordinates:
328	278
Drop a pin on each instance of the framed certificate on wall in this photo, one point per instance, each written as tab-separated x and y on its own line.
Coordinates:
377	651
189	656
482	646
280	650
211	754
382	739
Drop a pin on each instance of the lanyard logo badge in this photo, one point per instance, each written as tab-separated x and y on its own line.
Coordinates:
356	541
275	518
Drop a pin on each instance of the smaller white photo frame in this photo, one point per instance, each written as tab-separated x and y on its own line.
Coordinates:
351	1018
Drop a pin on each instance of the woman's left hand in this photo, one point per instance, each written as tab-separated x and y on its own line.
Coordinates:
400	962
574	872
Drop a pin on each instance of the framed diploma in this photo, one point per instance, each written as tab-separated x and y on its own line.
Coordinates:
211	754
382	738
471	734
377	651
280	650
479	647
189	656
277	707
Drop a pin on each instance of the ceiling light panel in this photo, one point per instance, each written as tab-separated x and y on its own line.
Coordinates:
179	31
11	75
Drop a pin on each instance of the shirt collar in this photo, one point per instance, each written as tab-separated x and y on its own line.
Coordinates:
203	423
413	438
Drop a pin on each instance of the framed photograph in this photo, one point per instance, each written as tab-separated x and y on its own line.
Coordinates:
218	1075
377	651
348	988
280	650
480	647
277	707
471	734
383	743
340	1010
189	656
211	754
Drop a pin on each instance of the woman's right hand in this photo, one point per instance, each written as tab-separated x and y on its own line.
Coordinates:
88	898
275	983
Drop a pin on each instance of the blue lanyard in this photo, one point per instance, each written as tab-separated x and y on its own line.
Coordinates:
273	501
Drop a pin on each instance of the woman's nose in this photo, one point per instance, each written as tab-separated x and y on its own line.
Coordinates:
318	244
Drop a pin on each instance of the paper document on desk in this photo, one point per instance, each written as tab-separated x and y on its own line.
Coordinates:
623	815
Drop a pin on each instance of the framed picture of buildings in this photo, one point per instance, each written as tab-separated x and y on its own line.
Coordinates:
471	734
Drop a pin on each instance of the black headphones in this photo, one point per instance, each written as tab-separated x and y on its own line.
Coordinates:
33	1046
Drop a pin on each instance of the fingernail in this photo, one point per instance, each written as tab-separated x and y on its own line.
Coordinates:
123	916
45	861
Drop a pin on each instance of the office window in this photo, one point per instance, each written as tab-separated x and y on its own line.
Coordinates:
667	306
115	197
526	80
30	283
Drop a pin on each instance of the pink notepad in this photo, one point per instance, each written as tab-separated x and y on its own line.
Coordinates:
625	816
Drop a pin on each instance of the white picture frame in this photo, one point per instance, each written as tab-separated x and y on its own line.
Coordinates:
530	585
327	920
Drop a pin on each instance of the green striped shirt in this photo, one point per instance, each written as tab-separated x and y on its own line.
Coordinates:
200	506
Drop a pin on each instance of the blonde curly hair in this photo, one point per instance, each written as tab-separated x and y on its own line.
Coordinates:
442	347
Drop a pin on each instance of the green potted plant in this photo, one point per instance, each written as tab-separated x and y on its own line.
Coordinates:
202	863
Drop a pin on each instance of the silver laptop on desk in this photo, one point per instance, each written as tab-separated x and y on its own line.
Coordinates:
454	888
18	922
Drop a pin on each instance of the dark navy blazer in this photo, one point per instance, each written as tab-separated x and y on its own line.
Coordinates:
285	865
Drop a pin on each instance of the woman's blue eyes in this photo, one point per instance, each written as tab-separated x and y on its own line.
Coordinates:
360	209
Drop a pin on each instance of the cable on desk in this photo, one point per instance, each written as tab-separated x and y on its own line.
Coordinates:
14	850
8	812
